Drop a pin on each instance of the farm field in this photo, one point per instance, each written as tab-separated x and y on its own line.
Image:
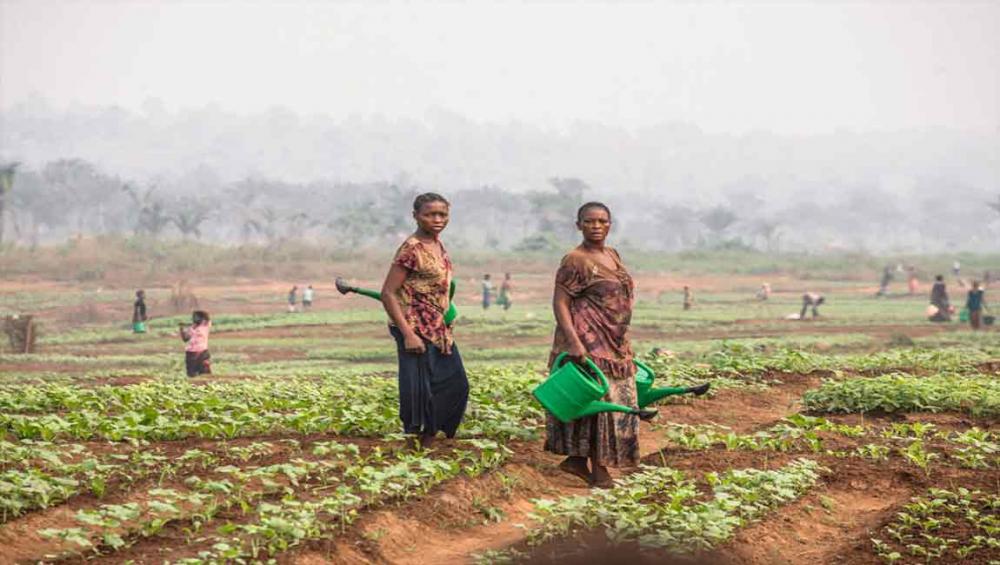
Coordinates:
866	436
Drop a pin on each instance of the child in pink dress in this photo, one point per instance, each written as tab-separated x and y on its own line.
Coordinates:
197	359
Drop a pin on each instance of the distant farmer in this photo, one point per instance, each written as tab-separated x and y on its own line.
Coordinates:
307	298
139	312
505	289
487	290
912	282
764	292
291	298
433	386
883	287
975	303
813	300
197	359
939	300
688	298
956	268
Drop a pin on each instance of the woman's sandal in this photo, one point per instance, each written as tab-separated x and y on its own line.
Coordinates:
568	466
604	481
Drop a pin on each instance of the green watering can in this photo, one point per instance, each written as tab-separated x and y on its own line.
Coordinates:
139	327
449	315
570	394
647	395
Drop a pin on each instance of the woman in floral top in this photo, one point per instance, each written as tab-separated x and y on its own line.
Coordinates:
433	387
593	301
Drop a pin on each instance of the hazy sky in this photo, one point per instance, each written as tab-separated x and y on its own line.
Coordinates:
796	67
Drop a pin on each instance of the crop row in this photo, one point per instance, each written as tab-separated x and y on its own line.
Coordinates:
943	526
500	406
663	508
976	395
917	443
267	510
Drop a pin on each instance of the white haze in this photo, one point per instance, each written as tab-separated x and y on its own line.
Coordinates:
804	106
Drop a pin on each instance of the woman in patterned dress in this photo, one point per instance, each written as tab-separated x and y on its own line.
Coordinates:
433	387
593	300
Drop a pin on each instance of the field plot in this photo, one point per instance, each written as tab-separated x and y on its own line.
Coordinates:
867	436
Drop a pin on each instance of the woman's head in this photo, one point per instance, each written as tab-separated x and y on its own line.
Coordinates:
431	211
199	317
939	278
140	294
593	219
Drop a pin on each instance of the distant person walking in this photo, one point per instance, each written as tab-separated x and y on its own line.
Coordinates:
688	298
291	298
811	300
939	300
139	312
506	287
883	287
912	282
433	386
307	298
975	303
956	268
487	290
197	359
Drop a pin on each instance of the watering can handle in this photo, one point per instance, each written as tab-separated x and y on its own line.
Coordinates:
563	357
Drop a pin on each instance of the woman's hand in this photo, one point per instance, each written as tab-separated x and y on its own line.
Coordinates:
577	353
413	344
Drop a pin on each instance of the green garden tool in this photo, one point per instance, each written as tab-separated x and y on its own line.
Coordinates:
449	315
570	393
646	394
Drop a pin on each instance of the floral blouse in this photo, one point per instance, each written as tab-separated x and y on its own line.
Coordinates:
601	307
424	293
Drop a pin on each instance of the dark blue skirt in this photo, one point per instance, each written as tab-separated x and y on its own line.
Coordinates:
433	389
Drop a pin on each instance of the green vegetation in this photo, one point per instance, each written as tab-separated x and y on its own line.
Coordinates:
900	392
661	507
946	525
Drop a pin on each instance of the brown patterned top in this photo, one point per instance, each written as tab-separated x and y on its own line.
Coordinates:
601	308
423	295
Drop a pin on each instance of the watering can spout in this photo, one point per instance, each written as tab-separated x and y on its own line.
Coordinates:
646	394
597	407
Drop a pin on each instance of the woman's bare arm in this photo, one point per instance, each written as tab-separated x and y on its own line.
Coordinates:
560	306
393	282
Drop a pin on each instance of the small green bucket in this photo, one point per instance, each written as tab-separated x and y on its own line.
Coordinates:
139	327
963	316
570	394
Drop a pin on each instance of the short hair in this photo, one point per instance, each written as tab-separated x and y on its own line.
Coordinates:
939	278
199	316
427	198
590	205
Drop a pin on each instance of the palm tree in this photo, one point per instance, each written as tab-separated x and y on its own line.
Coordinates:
770	230
6	185
188	218
717	220
153	216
